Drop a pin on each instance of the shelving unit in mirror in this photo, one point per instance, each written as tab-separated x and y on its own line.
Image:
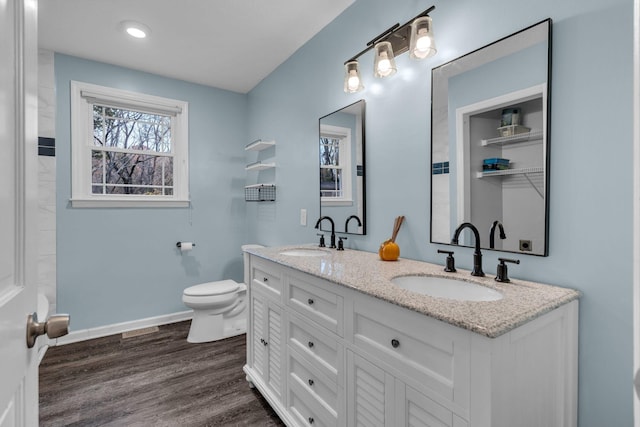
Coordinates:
532	135
260	191
522	171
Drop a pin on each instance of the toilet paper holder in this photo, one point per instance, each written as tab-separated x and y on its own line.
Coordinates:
179	245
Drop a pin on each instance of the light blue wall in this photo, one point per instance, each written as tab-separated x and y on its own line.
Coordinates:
591	204
117	265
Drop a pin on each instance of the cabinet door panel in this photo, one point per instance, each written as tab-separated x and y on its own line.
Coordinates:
258	335
417	410
275	344
370	394
267	341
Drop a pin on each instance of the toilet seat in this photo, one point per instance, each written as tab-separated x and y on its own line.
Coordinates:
221	287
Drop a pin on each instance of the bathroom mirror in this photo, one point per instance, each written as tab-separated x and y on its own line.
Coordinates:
490	144
342	173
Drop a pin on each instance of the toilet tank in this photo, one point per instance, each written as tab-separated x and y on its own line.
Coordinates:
247	273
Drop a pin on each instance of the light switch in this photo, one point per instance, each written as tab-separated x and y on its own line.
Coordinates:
303	217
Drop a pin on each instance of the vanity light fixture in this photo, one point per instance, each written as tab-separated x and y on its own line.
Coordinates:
414	36
422	43
352	80
384	64
135	29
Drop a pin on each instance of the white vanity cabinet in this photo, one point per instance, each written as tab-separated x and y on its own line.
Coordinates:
351	359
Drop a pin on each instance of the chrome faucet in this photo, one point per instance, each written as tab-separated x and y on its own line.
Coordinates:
346	223
333	229
492	232
477	255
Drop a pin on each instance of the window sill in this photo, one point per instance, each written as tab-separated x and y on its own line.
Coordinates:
111	203
343	202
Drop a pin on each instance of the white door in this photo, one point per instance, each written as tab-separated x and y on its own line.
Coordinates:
18	204
636	211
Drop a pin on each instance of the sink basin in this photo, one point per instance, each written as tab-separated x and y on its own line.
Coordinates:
304	252
440	287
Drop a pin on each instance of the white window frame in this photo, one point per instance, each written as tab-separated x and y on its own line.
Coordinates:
83	96
344	134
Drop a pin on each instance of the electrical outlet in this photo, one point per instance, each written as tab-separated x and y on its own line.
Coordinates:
525	245
303	217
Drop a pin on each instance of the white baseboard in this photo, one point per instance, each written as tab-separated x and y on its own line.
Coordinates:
117	328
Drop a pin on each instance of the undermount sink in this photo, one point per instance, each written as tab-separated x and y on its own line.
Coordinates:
440	287
304	252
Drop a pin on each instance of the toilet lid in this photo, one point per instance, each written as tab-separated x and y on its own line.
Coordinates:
212	288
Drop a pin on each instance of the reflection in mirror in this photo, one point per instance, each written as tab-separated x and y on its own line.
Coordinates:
342	178
489	144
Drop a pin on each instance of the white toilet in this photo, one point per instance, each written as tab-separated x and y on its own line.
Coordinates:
219	308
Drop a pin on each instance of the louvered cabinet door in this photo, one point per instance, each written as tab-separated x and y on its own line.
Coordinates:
274	362
377	399
370	394
258	335
267	342
414	409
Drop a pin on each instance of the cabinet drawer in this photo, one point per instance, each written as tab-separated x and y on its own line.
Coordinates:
322	350
434	355
323	389
268	275
307	410
314	301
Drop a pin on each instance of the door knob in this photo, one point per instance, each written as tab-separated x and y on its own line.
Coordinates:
56	326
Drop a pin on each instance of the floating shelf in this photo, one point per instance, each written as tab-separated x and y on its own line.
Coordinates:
261	192
259	166
259	145
522	171
521	137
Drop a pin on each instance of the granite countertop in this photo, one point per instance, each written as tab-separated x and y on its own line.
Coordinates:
364	271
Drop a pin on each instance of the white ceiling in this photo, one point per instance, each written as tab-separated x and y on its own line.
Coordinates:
229	44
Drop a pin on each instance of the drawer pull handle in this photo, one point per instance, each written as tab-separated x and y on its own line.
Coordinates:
310	420
265	279
310	301
310	382
395	343
310	344
263	342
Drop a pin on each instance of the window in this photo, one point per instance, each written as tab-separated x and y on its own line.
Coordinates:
128	149
335	166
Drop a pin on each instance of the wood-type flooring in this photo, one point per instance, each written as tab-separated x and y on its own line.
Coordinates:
156	379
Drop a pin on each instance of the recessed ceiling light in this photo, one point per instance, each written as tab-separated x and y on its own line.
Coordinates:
135	29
